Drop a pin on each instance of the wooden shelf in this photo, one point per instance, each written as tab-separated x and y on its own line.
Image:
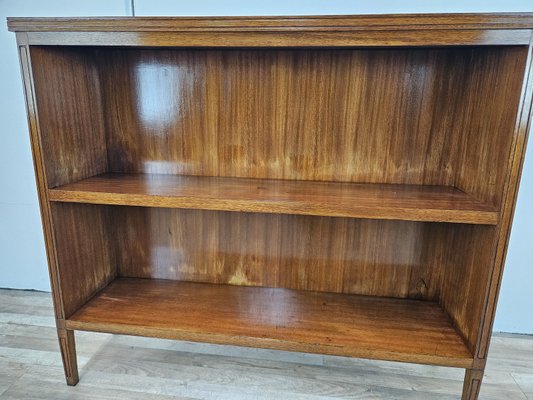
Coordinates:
338	324
376	201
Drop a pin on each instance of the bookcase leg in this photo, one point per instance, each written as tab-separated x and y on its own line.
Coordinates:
472	384
67	345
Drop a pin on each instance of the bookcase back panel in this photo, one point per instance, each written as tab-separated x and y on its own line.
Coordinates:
419	116
310	253
343	255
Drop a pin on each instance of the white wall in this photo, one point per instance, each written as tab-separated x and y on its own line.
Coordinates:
22	258
515	309
22	255
322	7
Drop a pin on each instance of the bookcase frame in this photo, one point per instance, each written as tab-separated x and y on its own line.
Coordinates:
229	197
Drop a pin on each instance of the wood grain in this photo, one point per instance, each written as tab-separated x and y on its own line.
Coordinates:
399	202
487	128
467	252
70	114
294	114
285	39
84	252
67	345
324	22
137	368
382	30
401	330
472	385
369	257
427	261
514	170
246	114
38	163
334	115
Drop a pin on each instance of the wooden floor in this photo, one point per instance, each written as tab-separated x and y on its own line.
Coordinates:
121	367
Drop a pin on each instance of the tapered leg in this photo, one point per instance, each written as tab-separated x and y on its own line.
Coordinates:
68	353
472	384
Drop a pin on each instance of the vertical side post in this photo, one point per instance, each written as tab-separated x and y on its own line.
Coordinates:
472	384
66	337
67	344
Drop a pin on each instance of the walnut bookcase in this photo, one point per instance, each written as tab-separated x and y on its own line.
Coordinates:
340	185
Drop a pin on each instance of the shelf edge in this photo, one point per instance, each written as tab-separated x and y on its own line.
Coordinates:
268	343
480	217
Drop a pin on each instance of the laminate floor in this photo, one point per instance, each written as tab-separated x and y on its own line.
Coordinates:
120	367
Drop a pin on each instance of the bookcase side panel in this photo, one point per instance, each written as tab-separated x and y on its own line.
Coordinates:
39	166
70	113
84	239
516	161
466	253
490	100
471	284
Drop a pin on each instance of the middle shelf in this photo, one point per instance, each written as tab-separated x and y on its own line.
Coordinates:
334	199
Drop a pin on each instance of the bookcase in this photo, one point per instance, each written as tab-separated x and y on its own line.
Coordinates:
342	185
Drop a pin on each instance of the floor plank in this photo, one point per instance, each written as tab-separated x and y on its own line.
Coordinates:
123	367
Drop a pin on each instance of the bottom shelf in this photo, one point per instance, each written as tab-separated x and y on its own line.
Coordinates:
284	319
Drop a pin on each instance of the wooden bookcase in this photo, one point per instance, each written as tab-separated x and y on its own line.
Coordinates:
340	185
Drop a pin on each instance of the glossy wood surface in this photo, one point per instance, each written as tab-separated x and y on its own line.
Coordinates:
72	135
285	114
370	30
400	202
523	126
67	345
85	256
286	39
472	386
323	22
369	257
40	176
465	253
444	104
137	368
316	114
403	330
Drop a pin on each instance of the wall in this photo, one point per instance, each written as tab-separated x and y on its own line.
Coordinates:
22	255
322	7
516	299
23	263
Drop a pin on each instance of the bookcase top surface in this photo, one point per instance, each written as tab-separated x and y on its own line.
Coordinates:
385	22
279	31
